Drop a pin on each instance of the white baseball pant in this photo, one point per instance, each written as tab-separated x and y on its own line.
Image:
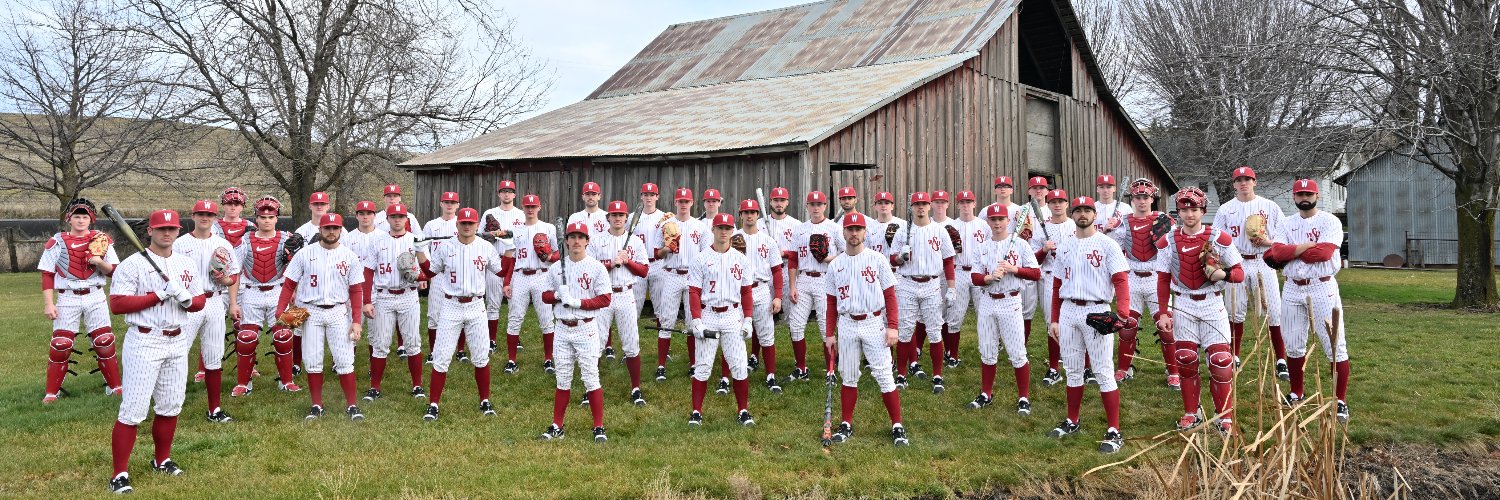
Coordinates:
1256	272
1320	297
1000	322
435	303
1076	339
257	307
967	293
578	344
208	326
1044	296
730	341
72	308
155	368
864	337
332	324
919	303
457	318
812	293
765	322
525	292
1203	322
494	296
647	284
1143	294
1030	291
668	298
624	315
395	312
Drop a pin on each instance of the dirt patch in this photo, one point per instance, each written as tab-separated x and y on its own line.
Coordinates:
1427	471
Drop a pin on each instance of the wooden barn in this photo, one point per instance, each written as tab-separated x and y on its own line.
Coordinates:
883	95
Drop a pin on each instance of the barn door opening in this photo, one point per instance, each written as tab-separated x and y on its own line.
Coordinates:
863	177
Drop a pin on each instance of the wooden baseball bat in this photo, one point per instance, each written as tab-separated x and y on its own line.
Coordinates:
119	220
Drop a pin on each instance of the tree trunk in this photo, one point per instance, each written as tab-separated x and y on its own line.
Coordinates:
1476	247
304	178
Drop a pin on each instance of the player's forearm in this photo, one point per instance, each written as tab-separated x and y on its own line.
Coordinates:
105	268
126	304
747	301
891	310
1320	252
508	268
1056	298
197	304
1235	274
1029	273
288	290
1163	291
791	261
979	279
549	297
639	269
369	286
695	302
49	282
1041	255
776	281
427	272
832	321
596	302
356	302
1282	252
948	270
1121	282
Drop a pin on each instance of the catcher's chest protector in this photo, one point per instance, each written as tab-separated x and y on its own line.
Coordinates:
74	259
1190	257
1142	244
263	263
234	231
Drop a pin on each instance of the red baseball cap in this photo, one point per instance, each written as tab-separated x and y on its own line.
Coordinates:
723	219
1104	180
511	185
996	210
780	193
712	194
817	197
847	192
397	209
1305	186
854	219
577	227
591	187
683	194
939	195
618	207
318	197
331	220
205	207
649	188
1242	172
365	206
531	200
1037	181
920	197
164	218
1081	202
1003	180
449	196
467	214
1057	194
392	189
966	195
885	196
749	206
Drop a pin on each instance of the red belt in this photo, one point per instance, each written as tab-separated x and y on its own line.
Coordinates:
574	322
1197	296
462	300
529	272
396	291
921	279
721	309
1143	274
814	274
619	289
329	306
80	291
209	295
1085	302
1002	295
164	333
266	288
1310	280
966	268
1249	257
862	317
678	270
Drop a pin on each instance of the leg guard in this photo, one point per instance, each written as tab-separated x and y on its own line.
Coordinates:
282	344
1221	375
104	353
1126	356
1187	365
57	360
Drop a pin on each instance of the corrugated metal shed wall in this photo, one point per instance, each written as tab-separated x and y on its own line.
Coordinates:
1395	195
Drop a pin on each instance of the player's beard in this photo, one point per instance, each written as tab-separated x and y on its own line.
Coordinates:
332	240
778	211
1306	205
1082	223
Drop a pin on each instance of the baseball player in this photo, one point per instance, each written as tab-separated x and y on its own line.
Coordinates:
392	196
74	267
214	257
232	226
879	237
1234	216
391	304
809	267
359	239
712	200
973	232
458	268
524	282
676	243
764	254
1111	212
592	214
262	257
319	204
445	225
328	277
157	300
506	219
1088	266
861	289
782	226
721	301
580	288
1028	221
1137	238
1045	242
1309	245
645	223
939	214
926	254
1003	263
1004	189
624	255
848	200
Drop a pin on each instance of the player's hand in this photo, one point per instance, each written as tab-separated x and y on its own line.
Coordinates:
775	306
698	329
950	295
183	295
1006	267
235	313
354	329
747	326
1052	330
95	260
890	337
1129	321
506	290
794	292
621	257
369	310
1164	323
423	246
1050	245
51	311
1218	275
573	302
173	289
829	343
1112	223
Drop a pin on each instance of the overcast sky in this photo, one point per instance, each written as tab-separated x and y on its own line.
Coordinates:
585	41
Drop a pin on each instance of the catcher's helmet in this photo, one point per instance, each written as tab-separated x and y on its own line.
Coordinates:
83	204
1191	197
1144	186
268	205
232	195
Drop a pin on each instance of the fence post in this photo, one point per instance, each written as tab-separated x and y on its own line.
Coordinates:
10	242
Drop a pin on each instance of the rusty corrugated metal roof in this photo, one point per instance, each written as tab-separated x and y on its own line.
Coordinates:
811	38
726	116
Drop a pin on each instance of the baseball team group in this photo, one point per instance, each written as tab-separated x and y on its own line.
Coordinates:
881	287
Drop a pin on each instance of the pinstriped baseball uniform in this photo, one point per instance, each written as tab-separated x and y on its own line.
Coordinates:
1060	232
999	320
763	253
323	278
857	285
782	231
529	279
260	277
435	301
67	258
1322	297
1015	211
581	342
1203	322
623	313
919	282
461	270
974	233
1084	267
394	297
671	294
1231	218
643	230
875	236
719	276
598	220
155	365
810	288
208	325
509	220
1032	292
1106	209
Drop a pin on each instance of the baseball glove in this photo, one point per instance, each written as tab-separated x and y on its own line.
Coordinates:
958	241
491	224
1255	227
1272	262
1161	227
406	263
1023	223
671	236
1211	260
1106	323
542	246
737	242
890	234
293	316
290	247
99	245
817	244
219	262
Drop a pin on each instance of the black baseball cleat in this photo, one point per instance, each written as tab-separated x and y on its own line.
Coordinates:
511	367
354	413
1125	375
900	381
372	394
800	374
772	384
167	467
548	367
695	419
429	358
753	362
1089	378
314	412
745	418
950	361
1053	377
1281	371
418	393
552	433
463	356
493	345
120	485
937	384
583	400
1064	428
898	436
1112	442
1189	421
915	369
637	398
1342	412
723	386
609	353
518	344
1236	362
431	414
661	373
843	432
401	351
218	416
981	401
599	436
1226	427
1023	407
296	370
486	408
1291	400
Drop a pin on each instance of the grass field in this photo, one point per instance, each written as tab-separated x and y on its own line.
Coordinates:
1420	375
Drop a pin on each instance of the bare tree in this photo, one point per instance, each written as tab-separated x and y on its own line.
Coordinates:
1239	82
319	88
1104	22
89	109
1428	73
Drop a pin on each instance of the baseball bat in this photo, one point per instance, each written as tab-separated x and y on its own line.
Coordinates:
124	227
707	334
828	403
562	241
1036	214
760	196
433	238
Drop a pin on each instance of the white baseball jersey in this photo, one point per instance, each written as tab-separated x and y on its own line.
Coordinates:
648	222
836	245
201	252
598	220
461	269
1059	232
695	237
437	228
585	280
858	282
605	246
1013	211
359	241
526	257
380	256
784	231
135	276
1231	217
763	253
1103	210
310	229
1322	227
875	235
510	220
67	257
974	233
1013	250
720	276
930	244
1086	265
324	276
260	259
1169	258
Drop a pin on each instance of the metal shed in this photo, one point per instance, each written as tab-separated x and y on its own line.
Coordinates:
1398	204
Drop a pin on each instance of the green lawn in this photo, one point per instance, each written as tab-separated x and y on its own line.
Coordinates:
1420	374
